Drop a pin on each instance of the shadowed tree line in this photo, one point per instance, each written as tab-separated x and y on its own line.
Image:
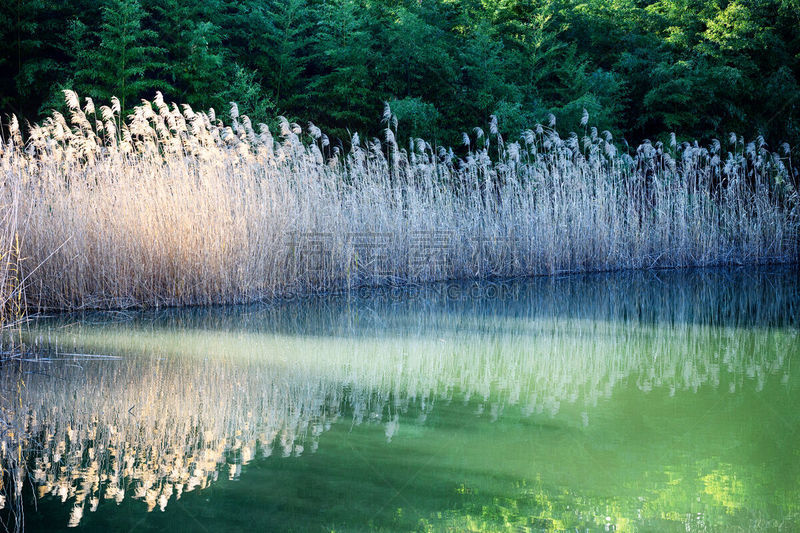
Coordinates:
641	68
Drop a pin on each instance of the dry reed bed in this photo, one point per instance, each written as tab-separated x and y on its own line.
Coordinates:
171	207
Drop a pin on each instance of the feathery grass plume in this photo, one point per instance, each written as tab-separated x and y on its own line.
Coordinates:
172	207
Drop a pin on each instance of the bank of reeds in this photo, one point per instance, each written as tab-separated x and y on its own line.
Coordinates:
172	207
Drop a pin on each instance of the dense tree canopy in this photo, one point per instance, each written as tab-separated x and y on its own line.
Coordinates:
641	68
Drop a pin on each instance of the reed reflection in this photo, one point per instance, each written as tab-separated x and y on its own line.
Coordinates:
179	399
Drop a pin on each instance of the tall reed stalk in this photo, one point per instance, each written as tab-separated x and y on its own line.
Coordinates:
172	207
11	289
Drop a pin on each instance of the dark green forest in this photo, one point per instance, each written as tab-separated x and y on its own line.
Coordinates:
641	68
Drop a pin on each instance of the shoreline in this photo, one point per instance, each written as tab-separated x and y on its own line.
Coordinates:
405	289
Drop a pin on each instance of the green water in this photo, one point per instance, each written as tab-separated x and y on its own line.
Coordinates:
631	402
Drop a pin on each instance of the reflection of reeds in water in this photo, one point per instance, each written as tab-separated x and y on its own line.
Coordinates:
183	405
151	430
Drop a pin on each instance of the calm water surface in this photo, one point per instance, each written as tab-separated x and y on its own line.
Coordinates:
631	402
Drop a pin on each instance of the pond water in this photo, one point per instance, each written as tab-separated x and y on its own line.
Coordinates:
655	401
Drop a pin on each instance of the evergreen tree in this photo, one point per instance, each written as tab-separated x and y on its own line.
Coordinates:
288	40
642	68
192	42
31	52
126	63
343	87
